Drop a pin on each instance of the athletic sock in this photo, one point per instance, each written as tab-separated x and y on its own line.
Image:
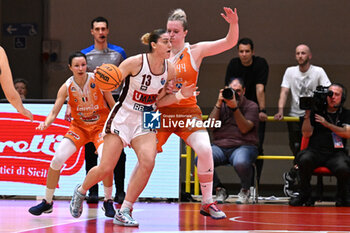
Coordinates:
207	189
81	190
49	195
108	192
126	204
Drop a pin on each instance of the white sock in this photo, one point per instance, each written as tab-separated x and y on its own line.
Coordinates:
126	204
206	189
108	192
49	195
81	190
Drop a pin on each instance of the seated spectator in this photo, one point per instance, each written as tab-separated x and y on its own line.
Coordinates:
328	128
236	141
21	86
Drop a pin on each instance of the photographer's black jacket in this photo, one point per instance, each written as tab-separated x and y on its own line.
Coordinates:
321	138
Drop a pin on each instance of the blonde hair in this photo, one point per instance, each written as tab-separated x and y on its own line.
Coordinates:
179	15
145	38
150	37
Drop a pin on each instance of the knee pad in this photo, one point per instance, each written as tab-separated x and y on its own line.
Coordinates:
57	163
63	152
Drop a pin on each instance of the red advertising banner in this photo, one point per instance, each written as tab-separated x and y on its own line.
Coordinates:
26	153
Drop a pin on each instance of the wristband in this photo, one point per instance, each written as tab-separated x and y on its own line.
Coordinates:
262	110
179	95
234	109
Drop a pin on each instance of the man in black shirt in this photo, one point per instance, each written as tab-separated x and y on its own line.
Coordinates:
328	131
254	71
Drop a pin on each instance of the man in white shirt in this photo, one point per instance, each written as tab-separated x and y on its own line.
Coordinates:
300	80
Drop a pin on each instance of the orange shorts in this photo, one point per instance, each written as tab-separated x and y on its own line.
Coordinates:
82	135
174	120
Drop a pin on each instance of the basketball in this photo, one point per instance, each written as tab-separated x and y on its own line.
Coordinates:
108	77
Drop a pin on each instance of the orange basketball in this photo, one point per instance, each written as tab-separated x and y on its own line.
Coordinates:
108	77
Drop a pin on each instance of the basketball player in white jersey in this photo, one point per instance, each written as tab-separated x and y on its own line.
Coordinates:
145	77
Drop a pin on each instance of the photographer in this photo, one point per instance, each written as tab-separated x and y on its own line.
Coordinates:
328	130
236	141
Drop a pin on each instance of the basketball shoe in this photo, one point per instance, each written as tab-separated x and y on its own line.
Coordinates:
124	218
43	207
212	210
221	195
76	204
108	208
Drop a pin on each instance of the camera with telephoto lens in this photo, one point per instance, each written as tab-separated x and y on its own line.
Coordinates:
317	102
228	93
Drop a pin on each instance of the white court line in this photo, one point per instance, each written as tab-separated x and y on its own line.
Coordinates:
230	231
61	224
296	213
236	219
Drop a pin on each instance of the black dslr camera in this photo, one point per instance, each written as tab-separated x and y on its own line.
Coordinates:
228	93
317	102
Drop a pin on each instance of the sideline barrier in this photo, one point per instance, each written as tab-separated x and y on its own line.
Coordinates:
195	182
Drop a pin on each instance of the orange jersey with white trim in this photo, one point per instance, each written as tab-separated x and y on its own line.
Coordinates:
186	70
88	106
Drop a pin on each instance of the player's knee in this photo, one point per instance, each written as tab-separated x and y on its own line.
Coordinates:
204	151
147	163
57	163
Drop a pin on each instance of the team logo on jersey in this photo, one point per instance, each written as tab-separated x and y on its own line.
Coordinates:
151	120
73	89
178	85
142	108
92	85
143	88
75	136
88	119
162	81
144	98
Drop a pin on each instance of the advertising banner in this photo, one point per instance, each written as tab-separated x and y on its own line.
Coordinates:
26	154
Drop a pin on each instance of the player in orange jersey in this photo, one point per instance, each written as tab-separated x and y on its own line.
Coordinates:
89	112
7	86
187	59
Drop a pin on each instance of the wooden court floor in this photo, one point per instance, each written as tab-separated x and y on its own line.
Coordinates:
176	217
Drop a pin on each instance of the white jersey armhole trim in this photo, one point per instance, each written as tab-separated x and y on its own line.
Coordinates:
193	63
187	45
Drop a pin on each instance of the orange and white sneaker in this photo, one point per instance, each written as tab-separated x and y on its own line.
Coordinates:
212	210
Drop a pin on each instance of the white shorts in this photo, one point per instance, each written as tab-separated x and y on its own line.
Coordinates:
125	123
